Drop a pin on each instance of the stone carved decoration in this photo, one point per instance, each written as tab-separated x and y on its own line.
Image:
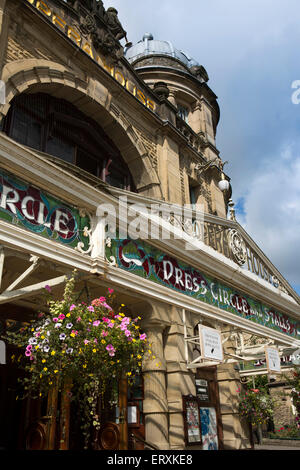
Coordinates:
112	21
102	27
237	247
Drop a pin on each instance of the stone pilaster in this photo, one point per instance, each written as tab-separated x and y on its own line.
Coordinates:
180	381
155	406
235	433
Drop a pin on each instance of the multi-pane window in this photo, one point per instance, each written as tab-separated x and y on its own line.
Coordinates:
58	128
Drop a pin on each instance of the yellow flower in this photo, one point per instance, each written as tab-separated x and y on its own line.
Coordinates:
55	372
112	363
43	337
73	335
63	351
122	305
128	373
84	366
50	383
133	340
68	315
139	318
94	350
139	356
44	360
53	353
32	329
103	341
139	363
37	346
45	369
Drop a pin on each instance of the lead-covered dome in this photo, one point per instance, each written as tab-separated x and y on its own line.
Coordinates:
148	46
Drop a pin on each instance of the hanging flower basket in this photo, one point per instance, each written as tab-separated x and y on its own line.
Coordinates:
89	345
255	405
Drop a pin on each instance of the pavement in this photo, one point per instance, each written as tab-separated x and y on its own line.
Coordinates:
274	444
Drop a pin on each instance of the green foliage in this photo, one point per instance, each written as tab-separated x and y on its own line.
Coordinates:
81	346
286	432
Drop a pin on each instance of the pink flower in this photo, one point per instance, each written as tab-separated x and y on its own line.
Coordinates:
106	306
40	315
61	316
111	350
96	323
104	333
78	319
96	341
55	320
127	333
48	288
91	308
86	341
110	325
143	336
27	353
106	320
75	332
102	299
110	290
72	307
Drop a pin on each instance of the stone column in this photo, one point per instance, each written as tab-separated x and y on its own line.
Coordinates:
155	406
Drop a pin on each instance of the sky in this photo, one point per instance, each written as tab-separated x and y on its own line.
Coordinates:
251	50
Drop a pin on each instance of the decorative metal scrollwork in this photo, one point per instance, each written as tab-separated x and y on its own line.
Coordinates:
237	247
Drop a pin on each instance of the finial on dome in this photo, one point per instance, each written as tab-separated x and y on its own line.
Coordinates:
148	36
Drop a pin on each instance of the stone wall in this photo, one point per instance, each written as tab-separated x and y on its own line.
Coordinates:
283	411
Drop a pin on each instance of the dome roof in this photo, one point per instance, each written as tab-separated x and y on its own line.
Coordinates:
149	46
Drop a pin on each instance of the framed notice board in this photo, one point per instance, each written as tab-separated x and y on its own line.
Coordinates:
192	424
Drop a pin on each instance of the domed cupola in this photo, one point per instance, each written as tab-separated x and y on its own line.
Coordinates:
158	62
154	52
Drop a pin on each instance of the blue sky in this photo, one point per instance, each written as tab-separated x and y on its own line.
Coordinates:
251	50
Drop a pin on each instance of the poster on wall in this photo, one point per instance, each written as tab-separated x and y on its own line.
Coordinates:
209	431
273	360
192	425
202	389
211	344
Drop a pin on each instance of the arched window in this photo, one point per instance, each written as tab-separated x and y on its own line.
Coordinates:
183	112
56	127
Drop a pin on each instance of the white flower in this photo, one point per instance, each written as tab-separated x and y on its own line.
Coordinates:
32	341
58	325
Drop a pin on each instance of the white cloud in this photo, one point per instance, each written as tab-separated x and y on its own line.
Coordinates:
272	211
